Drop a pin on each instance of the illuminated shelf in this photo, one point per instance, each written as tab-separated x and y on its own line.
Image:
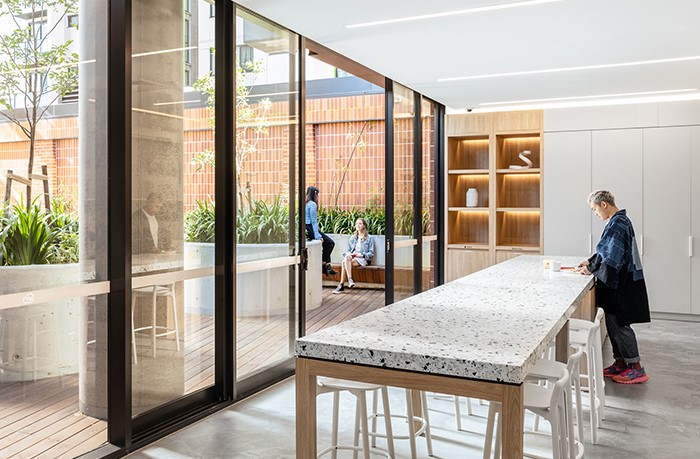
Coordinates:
531	170
468	172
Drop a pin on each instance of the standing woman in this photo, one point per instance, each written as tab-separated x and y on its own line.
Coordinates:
312	231
620	287
360	253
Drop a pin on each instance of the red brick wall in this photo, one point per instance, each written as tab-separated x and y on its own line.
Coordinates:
333	127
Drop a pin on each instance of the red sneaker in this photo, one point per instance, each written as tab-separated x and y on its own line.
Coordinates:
614	369
632	376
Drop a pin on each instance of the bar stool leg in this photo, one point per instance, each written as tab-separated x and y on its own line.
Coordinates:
387	422
334	423
177	328
362	400
153	323
411	425
426	416
133	333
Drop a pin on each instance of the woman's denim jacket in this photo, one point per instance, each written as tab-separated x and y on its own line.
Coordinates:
367	247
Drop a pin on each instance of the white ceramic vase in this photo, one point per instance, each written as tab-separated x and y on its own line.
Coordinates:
472	197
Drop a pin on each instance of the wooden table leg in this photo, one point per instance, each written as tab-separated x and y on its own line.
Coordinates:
562	344
513	420
306	410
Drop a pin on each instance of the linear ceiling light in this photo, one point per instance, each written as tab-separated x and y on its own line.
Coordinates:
599	96
450	13
571	69
585	103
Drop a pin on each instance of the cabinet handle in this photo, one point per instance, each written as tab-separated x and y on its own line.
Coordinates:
641	245
590	243
690	246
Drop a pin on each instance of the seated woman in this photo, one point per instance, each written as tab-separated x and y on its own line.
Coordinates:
360	253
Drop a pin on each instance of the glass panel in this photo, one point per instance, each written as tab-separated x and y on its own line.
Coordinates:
404	176
172	203
266	145
53	228
429	198
345	153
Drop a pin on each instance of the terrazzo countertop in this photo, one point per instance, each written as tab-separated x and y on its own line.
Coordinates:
490	325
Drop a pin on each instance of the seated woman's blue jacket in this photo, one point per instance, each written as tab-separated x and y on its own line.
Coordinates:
367	247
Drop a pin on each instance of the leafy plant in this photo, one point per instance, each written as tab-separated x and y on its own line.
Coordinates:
263	223
26	237
199	223
34	71
64	225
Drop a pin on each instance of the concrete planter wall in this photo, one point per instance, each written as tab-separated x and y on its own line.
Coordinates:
260	293
39	340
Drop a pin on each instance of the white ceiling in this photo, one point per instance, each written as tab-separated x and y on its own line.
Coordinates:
566	33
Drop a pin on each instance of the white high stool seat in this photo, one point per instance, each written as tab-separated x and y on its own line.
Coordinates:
155	330
548	370
588	335
359	390
547	402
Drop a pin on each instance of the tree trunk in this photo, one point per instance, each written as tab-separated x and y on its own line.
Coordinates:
30	168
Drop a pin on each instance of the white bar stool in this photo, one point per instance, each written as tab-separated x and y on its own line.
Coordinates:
549	370
359	390
587	335
154	292
547	402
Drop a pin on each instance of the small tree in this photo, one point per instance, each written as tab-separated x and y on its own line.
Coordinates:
32	68
251	121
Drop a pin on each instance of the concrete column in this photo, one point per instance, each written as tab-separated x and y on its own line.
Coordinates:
157	167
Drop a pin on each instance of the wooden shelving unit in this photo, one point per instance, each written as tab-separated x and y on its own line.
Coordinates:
508	218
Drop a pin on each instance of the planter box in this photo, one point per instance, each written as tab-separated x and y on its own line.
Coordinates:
39	340
260	293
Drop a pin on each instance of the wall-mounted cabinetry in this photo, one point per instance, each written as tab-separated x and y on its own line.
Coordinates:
500	156
652	165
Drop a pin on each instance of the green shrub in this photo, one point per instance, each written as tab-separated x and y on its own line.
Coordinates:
65	226
26	237
199	223
264	224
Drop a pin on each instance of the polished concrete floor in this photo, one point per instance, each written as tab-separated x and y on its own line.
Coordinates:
659	419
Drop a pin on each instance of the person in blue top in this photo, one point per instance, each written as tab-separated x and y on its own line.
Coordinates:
312	231
360	253
620	287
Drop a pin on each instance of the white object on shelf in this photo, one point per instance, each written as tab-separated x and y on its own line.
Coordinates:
472	197
523	156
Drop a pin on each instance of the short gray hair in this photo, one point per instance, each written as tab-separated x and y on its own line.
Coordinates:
598	196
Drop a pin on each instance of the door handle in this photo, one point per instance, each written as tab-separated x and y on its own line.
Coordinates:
690	246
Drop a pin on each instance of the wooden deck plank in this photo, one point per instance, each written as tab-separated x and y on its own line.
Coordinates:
41	418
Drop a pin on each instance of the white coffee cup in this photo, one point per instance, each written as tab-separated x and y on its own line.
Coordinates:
556	266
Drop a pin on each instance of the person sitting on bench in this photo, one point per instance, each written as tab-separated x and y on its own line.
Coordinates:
360	253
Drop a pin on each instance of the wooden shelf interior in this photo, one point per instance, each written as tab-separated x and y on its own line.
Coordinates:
470	227
468	152
508	147
518	190
459	184
520	228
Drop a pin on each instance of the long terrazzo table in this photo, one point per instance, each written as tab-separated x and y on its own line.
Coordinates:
477	336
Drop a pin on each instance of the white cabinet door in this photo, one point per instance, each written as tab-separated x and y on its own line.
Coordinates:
695	212
567	182
667	218
617	167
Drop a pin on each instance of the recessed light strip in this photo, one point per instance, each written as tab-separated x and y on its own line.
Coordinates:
585	103
599	96
571	69
450	13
